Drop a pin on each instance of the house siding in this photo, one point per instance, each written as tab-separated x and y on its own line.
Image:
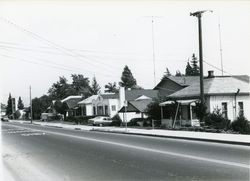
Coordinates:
113	102
216	101
89	110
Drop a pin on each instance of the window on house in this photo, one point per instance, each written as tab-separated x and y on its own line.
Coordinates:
224	109
240	109
94	111
106	110
113	107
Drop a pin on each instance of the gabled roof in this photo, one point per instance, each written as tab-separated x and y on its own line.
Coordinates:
71	97
214	86
143	97
110	96
133	94
137	106
184	80
180	80
72	101
136	93
88	100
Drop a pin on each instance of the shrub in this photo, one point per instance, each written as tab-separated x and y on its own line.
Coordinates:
216	120
17	114
241	125
201	111
116	120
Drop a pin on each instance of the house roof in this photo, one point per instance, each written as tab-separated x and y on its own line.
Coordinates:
71	97
213	86
133	94
136	93
72	101
110	96
181	80
88	100
137	106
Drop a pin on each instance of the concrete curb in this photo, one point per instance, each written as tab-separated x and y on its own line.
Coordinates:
150	135
177	137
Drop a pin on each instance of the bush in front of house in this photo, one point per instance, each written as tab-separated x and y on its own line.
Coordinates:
116	120
216	120
241	125
79	119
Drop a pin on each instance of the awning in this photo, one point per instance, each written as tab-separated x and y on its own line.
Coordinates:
182	102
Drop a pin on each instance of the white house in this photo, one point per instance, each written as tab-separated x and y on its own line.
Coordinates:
230	94
105	104
112	104
86	105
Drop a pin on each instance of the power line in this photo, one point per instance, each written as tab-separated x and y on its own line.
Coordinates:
51	66
58	47
216	67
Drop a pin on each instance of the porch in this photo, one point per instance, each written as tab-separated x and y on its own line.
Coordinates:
179	113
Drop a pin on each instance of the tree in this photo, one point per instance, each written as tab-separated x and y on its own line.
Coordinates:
20	103
111	88
40	105
81	85
178	73
127	79
189	70
60	89
195	67
61	107
166	74
9	106
95	88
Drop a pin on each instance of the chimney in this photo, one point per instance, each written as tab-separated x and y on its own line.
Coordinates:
121	96
210	74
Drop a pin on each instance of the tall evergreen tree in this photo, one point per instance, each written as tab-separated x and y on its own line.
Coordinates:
166	73
95	88
195	67
9	106
111	88
189	70
178	73
127	79
20	103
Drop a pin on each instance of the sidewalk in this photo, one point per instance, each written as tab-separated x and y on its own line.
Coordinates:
191	135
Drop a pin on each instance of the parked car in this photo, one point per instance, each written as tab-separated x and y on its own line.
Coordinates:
5	118
100	121
140	122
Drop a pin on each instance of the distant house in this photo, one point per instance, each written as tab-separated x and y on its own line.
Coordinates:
106	104
73	108
169	85
86	105
112	103
137	102
230	94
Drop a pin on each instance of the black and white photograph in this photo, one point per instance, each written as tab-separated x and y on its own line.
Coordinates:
109	90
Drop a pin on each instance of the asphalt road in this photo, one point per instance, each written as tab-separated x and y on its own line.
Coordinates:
34	153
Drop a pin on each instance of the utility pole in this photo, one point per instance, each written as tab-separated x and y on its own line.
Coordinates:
31	112
153	42
220	49
198	14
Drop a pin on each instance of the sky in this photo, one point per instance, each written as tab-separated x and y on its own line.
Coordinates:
42	40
